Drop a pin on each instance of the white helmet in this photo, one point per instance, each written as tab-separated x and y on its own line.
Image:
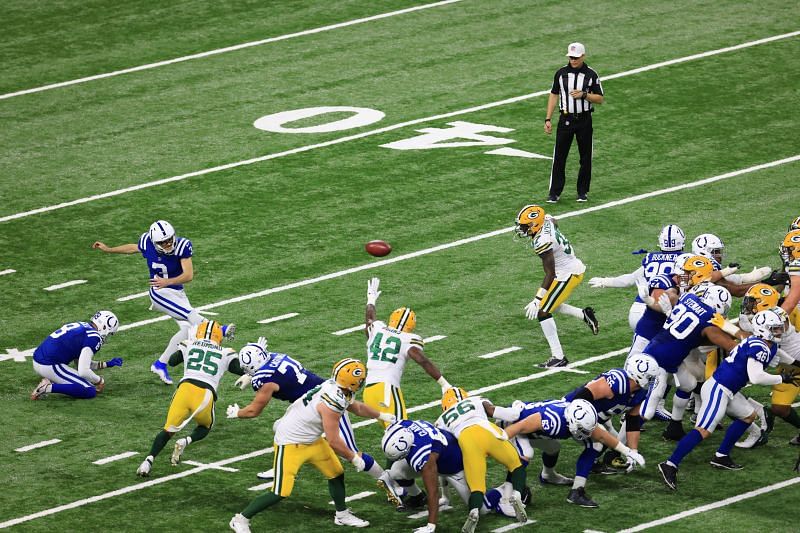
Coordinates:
671	239
581	418
252	357
105	322
397	441
642	368
770	324
161	233
716	297
708	245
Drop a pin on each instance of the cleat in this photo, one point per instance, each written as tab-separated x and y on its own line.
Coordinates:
391	489
769	418
674	431
519	508
347	518
669	474
795	441
239	523
41	389
725	462
555	479
590	319
472	521
229	331
552	199
180	445
267	475
160	369
418	501
579	497
553	362
753	439
144	468
527	495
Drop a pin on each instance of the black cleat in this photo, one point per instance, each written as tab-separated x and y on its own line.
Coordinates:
553	362
725	462
669	474
591	320
579	497
415	502
674	431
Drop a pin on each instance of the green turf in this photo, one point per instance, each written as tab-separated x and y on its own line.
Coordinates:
301	216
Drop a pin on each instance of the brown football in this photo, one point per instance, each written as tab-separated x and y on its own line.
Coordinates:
378	248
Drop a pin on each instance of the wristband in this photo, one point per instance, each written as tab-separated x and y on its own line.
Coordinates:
443	383
547	120
621	448
541	293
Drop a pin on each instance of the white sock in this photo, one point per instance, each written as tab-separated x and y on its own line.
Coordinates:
679	407
578	482
375	471
571	310
188	440
412	490
551	334
172	346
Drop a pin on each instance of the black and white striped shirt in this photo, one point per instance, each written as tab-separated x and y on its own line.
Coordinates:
568	79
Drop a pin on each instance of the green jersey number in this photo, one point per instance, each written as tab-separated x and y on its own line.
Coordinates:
387	350
310	394
563	241
456	411
203	361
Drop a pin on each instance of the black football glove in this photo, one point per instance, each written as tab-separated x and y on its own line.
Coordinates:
787	376
777	278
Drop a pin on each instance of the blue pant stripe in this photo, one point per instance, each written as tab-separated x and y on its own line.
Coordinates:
66	373
714	401
169	304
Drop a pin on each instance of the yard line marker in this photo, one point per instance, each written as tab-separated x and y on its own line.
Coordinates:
226	49
277	318
264	451
378	131
133	296
420	514
349	330
123	455
359	496
42	444
712	506
515	525
263	486
65	284
211	466
575	371
7	271
498	353
209	313
434	338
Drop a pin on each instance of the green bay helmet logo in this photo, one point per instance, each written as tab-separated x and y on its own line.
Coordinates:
358	372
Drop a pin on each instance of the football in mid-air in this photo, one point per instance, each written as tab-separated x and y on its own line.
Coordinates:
378	248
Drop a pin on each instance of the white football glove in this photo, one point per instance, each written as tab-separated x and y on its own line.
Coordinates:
261	343
232	411
727	271
643	288
532	309
665	303
358	463
597	283
372	291
387	417
243	381
634	459
430	528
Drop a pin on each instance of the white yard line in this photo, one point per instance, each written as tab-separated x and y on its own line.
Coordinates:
498	353
712	506
7	271
258	453
277	318
226	49
341	332
133	296
123	455
263	486
358	496
42	444
65	284
378	131
434	338
575	371
211	466
515	525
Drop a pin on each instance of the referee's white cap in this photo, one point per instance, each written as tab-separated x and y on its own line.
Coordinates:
576	50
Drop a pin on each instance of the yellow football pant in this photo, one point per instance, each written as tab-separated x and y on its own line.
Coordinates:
376	396
476	444
559	291
785	393
712	362
190	402
290	457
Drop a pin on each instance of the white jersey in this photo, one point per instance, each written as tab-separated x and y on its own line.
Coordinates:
550	238
205	361
302	423
387	353
468	412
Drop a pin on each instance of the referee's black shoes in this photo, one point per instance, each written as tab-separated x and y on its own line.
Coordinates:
582	198
552	199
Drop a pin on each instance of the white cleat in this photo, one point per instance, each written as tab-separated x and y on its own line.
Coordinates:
180	445
144	468
347	518
753	434
519	508
472	521
41	389
239	523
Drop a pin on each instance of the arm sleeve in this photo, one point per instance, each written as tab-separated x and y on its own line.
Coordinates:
176	358
757	376
85	364
624	280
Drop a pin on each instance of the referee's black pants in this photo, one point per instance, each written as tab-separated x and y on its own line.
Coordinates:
579	127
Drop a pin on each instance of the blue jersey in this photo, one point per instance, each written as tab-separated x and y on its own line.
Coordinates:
732	372
682	332
658	264
554	422
294	380
165	265
65	344
429	439
652	321
623	400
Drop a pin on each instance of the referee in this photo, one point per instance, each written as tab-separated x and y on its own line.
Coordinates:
576	87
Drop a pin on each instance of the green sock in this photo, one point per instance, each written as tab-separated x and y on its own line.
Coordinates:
518	478
336	488
199	433
260	503
159	442
793	418
475	500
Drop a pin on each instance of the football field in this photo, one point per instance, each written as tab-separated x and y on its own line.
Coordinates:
280	137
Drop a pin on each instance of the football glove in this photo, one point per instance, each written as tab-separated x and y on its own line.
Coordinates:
532	309
243	381
261	343
358	463
787	376
387	417
232	411
665	303
720	321
777	278
117	361
730	269
633	460
372	290
597	283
